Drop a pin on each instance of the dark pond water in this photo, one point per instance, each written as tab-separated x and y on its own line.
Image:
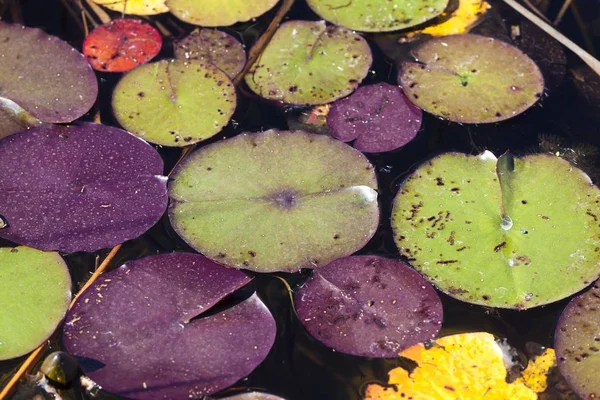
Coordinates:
299	367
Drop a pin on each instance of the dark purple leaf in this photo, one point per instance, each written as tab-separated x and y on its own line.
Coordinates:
44	75
79	188
377	117
133	334
369	306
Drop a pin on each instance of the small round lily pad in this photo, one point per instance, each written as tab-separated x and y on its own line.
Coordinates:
174	103
121	45
35	291
135	7
377	15
308	62
45	75
217	12
377	117
471	79
275	201
508	232
142	331
78	188
369	306
577	343
214	47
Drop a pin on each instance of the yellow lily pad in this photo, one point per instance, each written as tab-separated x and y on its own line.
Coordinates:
460	21
135	7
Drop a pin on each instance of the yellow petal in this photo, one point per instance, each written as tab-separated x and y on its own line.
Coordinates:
460	21
135	7
464	366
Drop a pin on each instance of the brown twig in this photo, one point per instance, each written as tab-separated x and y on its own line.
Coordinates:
35	355
583	28
562	12
73	14
16	14
581	53
100	13
535	10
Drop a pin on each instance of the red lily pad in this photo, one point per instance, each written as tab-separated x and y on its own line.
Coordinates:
78	188
377	117
213	47
141	330
369	306
44	75
121	45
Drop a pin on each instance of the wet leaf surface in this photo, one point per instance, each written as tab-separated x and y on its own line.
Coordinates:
35	290
511	233
577	342
174	103
369	306
309	62
275	201
121	45
377	16
135	7
45	75
168	348
218	13
471	79
79	188
376	117
214	47
463	366
14	119
468	13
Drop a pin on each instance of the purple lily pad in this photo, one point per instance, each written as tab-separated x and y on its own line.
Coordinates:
377	117
369	306
79	188
45	75
577	343
137	334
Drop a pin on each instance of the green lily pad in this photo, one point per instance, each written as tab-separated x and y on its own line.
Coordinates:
309	62
217	12
577	343
214	47
510	233
471	79
35	291
378	15
174	103
275	201
14	119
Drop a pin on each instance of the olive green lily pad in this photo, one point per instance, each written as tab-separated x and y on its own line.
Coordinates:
378	15
35	291
510	233
275	201
577	343
174	103
471	79
308	62
218	12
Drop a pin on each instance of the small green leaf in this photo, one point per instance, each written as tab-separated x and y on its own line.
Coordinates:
35	290
510	233
174	103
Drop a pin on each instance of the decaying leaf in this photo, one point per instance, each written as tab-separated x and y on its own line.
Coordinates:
464	366
460	21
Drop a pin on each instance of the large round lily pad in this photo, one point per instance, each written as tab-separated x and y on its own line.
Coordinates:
511	233
471	79
275	201
44	75
121	45
174	103
78	188
369	306
217	12
309	62
378	15
577	343
214	47
376	117
135	7
35	291
141	331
